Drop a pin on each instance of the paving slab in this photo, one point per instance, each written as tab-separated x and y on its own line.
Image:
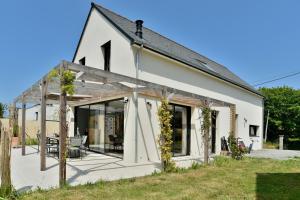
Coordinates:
26	174
274	154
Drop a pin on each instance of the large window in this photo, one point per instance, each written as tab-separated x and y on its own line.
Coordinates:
103	123
106	55
181	130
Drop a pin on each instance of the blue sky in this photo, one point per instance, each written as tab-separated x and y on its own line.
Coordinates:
258	40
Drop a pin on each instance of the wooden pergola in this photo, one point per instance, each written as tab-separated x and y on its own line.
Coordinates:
95	85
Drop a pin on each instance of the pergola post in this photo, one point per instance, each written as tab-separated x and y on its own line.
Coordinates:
232	120
62	129
43	127
23	128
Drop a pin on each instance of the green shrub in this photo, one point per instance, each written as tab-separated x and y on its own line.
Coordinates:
293	143
16	130
236	152
31	141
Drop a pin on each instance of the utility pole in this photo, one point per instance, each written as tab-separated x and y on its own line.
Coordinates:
267	123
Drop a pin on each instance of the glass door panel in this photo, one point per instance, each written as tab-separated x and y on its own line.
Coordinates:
179	131
82	116
96	128
114	126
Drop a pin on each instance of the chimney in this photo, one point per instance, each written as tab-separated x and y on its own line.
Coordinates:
139	28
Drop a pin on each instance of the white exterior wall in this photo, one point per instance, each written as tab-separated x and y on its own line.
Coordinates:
51	114
249	106
98	32
161	70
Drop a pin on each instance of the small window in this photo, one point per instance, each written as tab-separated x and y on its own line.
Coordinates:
253	130
82	61
106	55
36	116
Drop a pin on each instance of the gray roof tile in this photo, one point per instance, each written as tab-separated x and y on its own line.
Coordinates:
163	45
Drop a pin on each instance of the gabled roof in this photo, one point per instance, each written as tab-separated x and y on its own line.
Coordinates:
162	45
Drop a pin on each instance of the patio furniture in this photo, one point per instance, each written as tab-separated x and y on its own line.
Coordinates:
116	142
52	145
73	147
224	145
76	145
83	144
38	136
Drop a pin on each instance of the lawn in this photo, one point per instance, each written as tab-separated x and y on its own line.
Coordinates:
223	179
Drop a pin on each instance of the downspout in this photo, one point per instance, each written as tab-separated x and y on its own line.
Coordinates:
135	96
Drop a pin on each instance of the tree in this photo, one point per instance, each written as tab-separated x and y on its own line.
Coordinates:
283	104
3	108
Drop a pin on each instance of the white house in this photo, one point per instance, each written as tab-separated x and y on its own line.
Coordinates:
114	43
33	113
120	127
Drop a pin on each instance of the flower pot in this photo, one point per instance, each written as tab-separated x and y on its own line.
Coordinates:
14	142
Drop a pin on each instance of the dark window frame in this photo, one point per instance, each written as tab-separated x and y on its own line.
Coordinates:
82	61
255	127
106	52
188	121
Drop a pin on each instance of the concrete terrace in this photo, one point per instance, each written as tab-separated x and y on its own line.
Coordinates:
26	174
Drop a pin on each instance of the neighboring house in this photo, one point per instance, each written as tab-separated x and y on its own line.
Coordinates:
33	116
113	43
33	113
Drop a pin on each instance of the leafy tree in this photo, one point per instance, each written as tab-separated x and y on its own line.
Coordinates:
283	103
3	108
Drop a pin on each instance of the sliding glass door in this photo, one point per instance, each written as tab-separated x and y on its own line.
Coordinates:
114	124
103	123
181	129
96	128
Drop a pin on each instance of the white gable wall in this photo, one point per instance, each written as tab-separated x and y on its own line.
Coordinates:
99	31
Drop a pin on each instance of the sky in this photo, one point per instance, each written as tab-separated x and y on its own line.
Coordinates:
258	40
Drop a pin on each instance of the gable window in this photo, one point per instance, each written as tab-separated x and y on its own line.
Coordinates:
82	61
36	116
253	130
106	55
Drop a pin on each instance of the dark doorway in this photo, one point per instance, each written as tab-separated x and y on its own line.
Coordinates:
213	131
181	129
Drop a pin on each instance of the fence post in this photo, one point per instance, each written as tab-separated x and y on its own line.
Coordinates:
281	142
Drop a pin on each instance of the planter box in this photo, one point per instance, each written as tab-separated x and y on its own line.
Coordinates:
14	142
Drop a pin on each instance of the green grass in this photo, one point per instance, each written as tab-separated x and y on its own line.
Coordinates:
224	179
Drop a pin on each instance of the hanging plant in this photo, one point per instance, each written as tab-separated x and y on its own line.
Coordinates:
165	137
67	78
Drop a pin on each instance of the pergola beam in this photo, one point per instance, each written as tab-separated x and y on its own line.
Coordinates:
99	83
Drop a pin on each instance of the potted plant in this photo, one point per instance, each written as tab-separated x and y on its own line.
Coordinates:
15	138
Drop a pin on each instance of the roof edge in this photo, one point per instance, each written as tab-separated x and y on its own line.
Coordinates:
112	22
208	72
82	33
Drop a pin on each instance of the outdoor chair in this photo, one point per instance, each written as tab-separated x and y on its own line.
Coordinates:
115	142
83	144
52	146
74	147
38	136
